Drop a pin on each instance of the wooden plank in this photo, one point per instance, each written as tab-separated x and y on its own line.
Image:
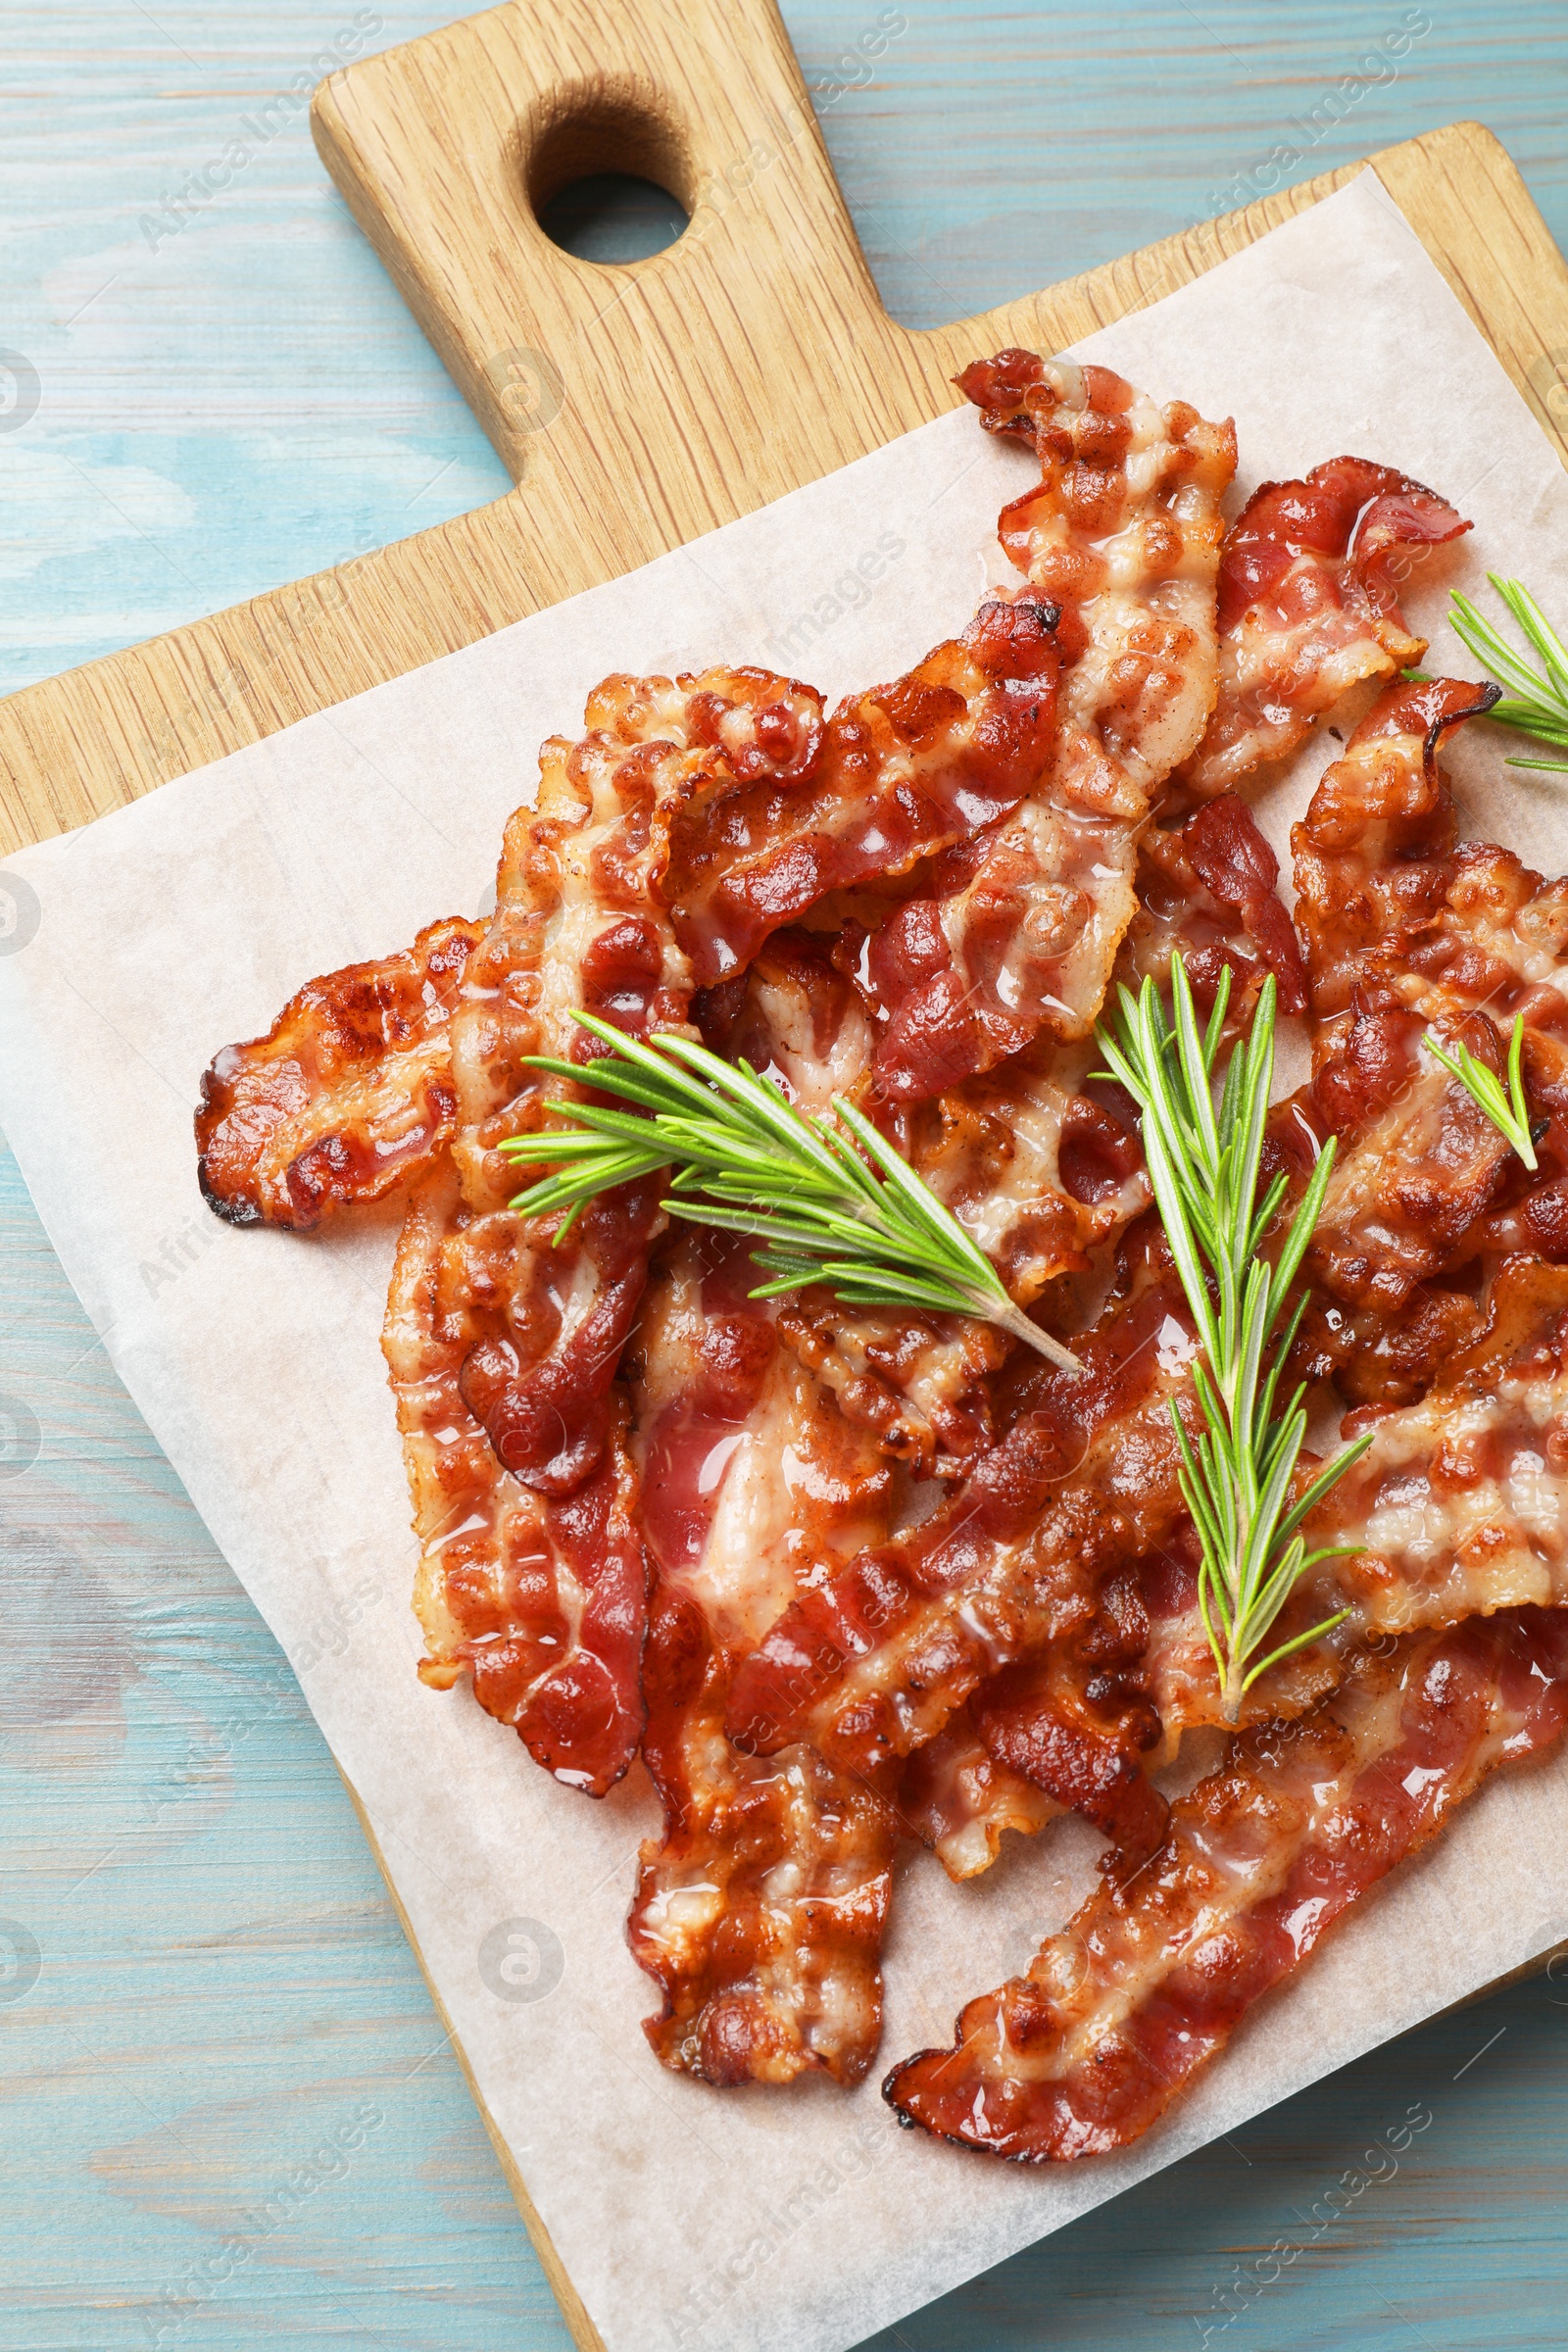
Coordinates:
1522	316
230	1985
584	2334
800	370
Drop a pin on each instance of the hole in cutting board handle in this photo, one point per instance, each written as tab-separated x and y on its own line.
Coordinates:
608	175
613	217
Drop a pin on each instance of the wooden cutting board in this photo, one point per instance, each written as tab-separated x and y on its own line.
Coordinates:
637	407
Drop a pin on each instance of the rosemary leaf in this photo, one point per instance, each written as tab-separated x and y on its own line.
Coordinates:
1508	1112
1539	706
829	1200
1205	1164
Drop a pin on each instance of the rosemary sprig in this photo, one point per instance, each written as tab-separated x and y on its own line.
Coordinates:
1205	1164
1540	705
829	1200
1508	1112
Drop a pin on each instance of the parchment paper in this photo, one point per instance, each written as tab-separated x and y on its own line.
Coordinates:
756	2220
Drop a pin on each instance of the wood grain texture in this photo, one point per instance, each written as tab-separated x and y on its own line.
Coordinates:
753	356
244	402
221	1972
224	1985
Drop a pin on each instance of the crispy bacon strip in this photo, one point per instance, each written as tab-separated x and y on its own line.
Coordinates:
913	1379
540	1596
581	924
347	1096
872	1662
1148	1981
1019	928
1407	1202
1420	1165
1458	1508
538	1581
959	1800
1206	891
1460	1505
1373	854
1037	1171
582	894
916	1381
1404	1200
1308	605
1177	1670
875	1663
899	773
1038	1161
1379	1358
761	1911
1404	930
1075	1726
1041	1167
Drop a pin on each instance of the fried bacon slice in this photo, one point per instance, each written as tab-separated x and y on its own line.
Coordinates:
541	1596
1041	1167
581	924
347	1096
534	1577
1419	1164
1460	1507
1206	891
1177	1671
1407	929
1077	1726
914	1379
1310	578
894	775
1148	1980
873	1663
959	1801
1374	856
582	918
1036	1161
760	1913
1035	1170
1018	930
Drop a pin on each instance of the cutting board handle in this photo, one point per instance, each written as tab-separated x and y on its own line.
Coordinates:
584	375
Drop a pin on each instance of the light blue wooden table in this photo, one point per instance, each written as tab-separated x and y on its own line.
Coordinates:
201	1981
